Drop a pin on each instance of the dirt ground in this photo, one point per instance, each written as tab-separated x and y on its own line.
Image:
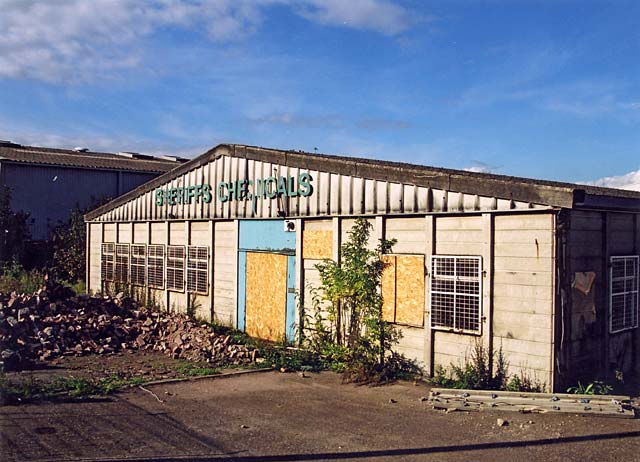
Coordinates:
144	364
269	416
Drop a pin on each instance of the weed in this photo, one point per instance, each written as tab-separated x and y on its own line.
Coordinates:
13	392
22	391
596	387
523	381
194	370
475	374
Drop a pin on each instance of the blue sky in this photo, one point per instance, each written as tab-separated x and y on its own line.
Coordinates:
543	89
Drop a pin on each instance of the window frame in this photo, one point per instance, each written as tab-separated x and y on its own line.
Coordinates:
124	266
138	265
196	269
434	276
636	281
169	268
162	266
105	265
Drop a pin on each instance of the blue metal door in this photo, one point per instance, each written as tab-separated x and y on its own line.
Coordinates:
269	237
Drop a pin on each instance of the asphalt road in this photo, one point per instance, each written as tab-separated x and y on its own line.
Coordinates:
286	417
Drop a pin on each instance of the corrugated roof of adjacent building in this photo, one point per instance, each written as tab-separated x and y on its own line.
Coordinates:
81	158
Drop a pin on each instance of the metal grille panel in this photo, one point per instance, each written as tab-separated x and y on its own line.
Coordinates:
175	267
456	293
138	264
107	259
623	293
198	269
122	263
155	266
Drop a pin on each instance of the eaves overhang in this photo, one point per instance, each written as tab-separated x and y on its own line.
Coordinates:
547	193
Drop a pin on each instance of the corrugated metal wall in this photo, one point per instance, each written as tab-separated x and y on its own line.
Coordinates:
50	193
332	195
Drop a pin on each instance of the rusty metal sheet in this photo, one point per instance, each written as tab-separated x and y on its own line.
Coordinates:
317	245
389	288
410	289
266	295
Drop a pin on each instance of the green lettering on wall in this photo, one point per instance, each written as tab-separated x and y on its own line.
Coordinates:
238	190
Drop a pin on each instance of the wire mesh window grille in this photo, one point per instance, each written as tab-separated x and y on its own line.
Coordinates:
107	260
155	266
122	263
138	264
456	293
175	267
623	293
198	269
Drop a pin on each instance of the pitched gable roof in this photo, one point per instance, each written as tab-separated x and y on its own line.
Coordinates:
533	191
84	159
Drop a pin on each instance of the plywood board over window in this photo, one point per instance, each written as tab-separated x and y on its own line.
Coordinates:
403	289
317	244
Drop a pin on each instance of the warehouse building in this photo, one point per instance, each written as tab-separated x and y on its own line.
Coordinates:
546	271
48	183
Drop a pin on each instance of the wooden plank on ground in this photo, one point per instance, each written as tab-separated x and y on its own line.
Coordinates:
488	400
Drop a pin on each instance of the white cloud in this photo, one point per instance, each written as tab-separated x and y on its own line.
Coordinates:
630	181
99	143
377	15
480	167
79	40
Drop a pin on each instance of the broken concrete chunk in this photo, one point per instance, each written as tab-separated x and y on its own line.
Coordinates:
44	329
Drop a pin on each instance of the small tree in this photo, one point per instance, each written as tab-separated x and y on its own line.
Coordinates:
352	286
68	242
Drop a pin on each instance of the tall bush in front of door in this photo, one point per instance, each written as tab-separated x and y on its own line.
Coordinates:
353	319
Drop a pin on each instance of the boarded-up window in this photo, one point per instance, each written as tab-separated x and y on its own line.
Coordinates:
403	289
197	269
138	264
175	267
624	293
317	244
155	266
122	263
456	293
107	260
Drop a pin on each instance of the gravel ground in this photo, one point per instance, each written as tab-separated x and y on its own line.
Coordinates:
270	416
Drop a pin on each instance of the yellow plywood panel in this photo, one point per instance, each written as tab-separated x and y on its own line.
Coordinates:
389	288
410	289
266	295
317	245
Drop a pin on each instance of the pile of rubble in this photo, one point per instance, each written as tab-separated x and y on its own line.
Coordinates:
51	323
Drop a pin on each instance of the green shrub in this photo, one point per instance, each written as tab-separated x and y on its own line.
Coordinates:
346	328
13	277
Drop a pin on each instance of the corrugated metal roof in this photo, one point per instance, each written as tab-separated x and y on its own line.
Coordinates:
86	159
543	192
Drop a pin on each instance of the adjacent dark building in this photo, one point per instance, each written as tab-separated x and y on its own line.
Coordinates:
48	183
